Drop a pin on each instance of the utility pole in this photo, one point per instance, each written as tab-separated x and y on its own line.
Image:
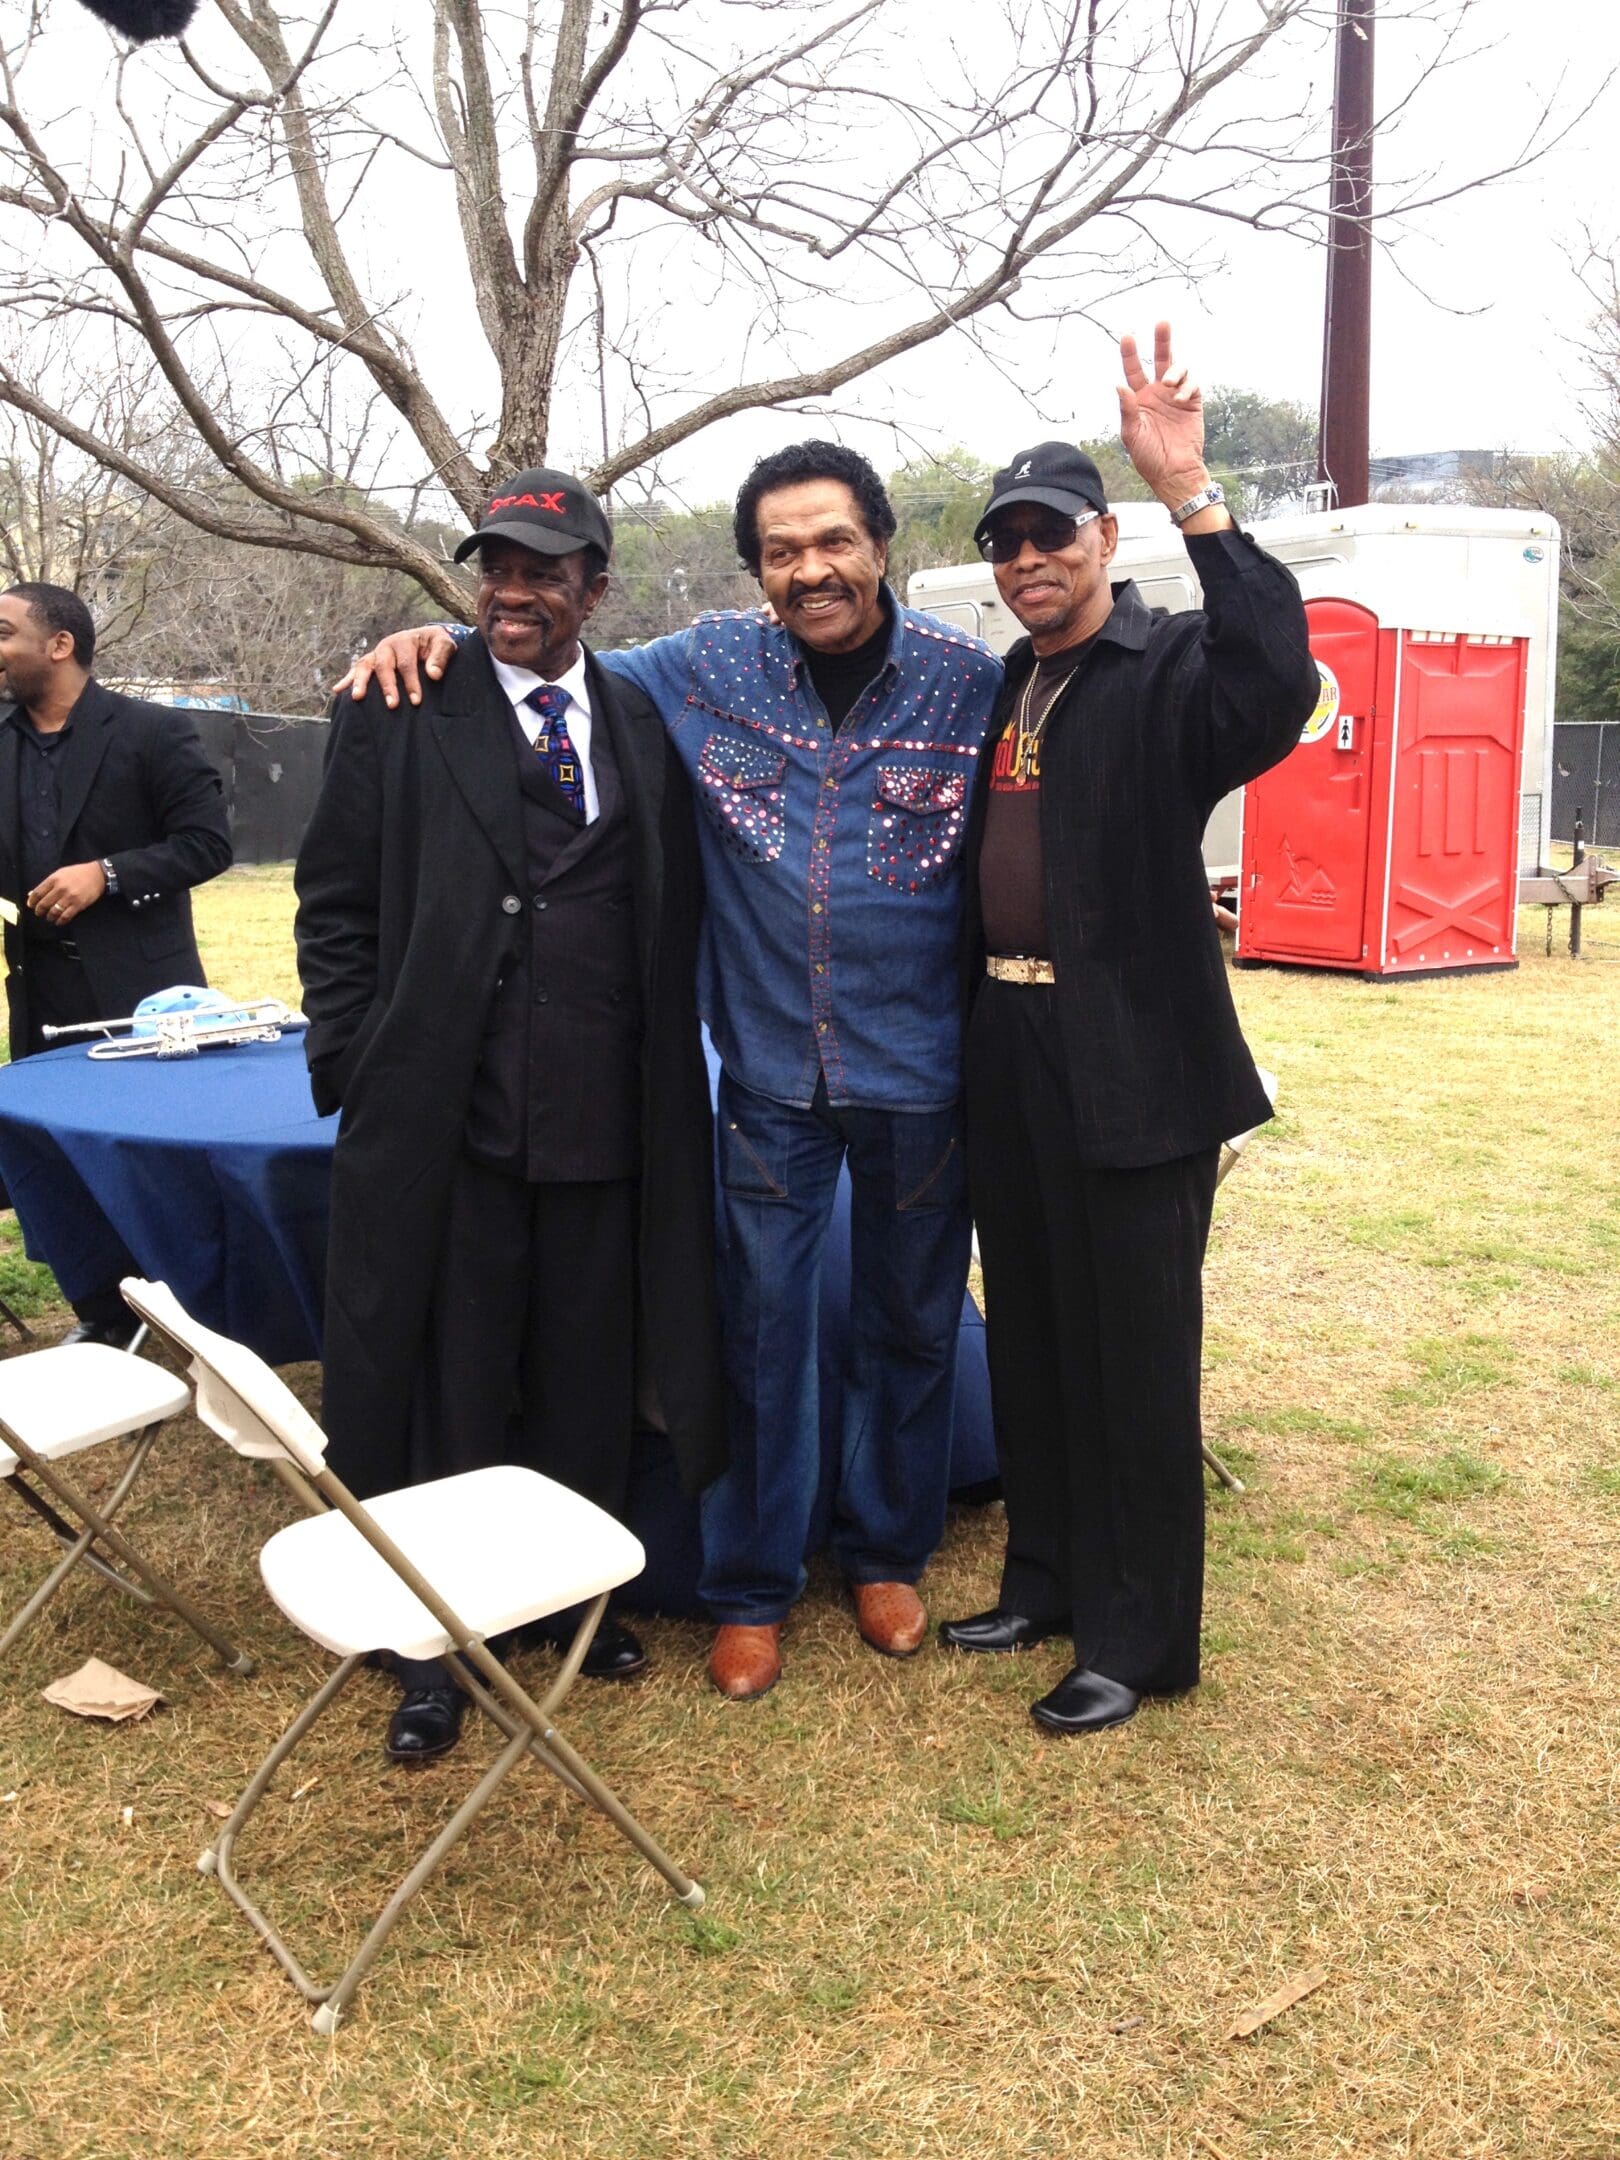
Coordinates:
1342	440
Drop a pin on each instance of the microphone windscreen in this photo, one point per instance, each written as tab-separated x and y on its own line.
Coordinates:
143	19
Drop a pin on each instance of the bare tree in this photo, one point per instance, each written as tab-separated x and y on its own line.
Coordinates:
645	217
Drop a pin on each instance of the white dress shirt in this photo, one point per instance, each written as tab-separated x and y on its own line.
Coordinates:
517	682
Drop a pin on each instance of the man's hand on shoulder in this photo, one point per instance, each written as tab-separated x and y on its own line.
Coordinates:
400	662
68	892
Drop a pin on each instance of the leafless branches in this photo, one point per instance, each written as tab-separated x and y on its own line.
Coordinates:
405	246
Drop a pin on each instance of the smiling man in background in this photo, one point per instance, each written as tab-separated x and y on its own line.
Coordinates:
499	897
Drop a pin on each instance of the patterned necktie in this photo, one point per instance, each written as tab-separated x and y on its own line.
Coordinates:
554	744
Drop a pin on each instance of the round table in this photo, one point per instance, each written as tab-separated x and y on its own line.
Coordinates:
210	1173
213	1174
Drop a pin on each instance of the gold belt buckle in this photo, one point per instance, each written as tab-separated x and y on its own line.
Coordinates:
1020	970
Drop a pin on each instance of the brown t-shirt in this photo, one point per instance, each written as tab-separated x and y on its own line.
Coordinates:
1012	887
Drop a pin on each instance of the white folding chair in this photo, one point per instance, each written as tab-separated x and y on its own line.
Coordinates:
59	1402
428	1572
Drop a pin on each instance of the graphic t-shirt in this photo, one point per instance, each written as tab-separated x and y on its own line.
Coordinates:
1012	889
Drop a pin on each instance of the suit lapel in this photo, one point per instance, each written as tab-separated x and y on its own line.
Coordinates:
472	729
92	723
639	752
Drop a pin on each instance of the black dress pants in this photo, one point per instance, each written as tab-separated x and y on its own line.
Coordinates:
530	1351
59	995
1093	1286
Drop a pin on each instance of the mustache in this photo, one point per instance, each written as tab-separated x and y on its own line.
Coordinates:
828	589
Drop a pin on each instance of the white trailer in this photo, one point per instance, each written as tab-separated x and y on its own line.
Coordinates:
1440	567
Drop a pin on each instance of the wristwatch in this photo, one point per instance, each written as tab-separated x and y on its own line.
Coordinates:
1206	499
110	874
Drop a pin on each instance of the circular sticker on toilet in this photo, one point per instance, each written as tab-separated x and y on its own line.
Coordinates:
1327	706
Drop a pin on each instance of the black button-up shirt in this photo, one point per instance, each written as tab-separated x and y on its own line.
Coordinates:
39	811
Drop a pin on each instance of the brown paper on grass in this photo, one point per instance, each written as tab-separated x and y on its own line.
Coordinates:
1279	2000
98	1690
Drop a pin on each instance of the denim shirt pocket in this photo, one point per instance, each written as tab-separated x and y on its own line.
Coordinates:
743	793
918	817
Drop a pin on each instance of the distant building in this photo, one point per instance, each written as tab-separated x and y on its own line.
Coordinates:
1429	469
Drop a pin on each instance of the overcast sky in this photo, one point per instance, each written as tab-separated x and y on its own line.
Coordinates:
1478	314
1478	318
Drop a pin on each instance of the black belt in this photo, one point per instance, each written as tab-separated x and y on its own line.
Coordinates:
66	946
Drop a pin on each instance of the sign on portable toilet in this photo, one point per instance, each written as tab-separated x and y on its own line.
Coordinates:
1387	841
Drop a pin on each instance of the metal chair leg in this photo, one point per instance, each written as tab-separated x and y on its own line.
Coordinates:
10	1314
1229	1478
78	1543
217	1859
341	1994
95	1520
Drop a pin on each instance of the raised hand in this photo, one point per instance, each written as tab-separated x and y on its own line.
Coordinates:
1161	422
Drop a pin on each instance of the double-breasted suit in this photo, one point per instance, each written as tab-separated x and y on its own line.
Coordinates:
431	866
136	789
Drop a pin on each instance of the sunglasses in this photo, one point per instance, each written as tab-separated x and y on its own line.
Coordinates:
1050	535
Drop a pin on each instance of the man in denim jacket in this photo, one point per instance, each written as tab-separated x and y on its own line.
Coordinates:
832	742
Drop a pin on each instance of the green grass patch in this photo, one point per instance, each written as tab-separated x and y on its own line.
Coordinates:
1408	1489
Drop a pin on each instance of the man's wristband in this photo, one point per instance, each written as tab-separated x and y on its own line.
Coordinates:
1207	498
110	874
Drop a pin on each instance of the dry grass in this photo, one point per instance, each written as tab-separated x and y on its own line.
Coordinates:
931	1932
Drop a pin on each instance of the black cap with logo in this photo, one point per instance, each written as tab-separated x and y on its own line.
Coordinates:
550	512
1055	474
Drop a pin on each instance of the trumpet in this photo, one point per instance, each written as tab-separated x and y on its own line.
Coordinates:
184	1034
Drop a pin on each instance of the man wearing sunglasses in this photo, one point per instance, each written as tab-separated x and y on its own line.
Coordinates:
1104	1064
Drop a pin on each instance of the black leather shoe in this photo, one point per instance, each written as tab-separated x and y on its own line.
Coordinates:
427	1723
115	1334
1085	1702
999	1630
614	1653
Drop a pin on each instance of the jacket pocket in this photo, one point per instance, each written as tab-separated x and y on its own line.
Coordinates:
741	789
914	832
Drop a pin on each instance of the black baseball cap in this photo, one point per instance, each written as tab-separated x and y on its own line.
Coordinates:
550	512
1053	473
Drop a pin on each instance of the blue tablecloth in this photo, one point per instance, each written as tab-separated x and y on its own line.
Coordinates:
213	1174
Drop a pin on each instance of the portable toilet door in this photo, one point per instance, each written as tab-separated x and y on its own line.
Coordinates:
1453	884
1312	826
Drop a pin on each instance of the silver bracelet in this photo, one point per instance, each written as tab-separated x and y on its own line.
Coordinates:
1206	499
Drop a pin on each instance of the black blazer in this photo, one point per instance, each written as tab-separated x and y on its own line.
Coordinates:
137	788
1164	716
411	872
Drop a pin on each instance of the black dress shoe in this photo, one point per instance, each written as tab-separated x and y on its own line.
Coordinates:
999	1630
427	1723
614	1653
114	1334
1085	1701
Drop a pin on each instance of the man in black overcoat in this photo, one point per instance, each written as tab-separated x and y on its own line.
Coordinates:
1104	1062
499	896
109	814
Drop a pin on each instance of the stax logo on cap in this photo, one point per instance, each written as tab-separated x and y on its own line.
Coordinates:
557	504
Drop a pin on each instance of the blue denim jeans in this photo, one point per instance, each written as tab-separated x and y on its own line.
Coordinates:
909	1241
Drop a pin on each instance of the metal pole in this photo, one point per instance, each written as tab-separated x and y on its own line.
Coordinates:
1342	443
1575	906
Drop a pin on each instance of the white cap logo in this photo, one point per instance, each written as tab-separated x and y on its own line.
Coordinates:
1023	471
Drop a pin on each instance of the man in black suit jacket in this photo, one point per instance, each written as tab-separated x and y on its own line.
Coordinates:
499	896
109	813
1104	1060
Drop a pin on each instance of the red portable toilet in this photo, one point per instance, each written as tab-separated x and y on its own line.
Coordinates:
1386	842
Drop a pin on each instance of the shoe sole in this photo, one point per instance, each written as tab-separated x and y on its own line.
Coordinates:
980	1649
887	1649
1064	1731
